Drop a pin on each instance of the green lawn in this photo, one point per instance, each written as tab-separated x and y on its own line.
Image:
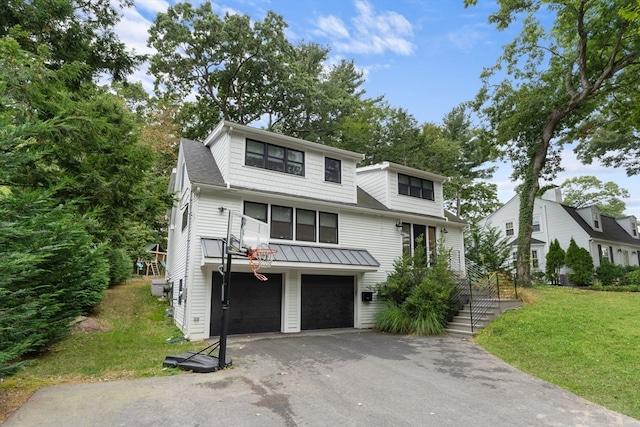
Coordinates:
587	342
125	338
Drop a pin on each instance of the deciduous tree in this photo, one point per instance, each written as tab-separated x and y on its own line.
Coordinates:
559	73
584	191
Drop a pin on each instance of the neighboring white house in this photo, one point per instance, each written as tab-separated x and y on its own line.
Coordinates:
615	239
315	200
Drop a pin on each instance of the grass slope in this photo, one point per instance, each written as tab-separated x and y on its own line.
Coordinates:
584	341
125	338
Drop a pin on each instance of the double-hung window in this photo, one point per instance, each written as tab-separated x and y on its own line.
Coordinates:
305	225
281	222
508	228
332	170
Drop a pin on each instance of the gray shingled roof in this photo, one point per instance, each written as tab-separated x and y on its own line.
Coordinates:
201	167
611	230
212	248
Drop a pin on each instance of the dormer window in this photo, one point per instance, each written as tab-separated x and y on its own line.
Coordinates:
332	170
274	157
634	229
415	187
596	220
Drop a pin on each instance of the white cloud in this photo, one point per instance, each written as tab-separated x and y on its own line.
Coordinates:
332	26
373	32
465	38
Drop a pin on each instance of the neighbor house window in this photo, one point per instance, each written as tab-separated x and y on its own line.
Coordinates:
281	222
256	210
536	223
185	217
508	228
535	262
274	157
332	170
328	232
305	225
415	187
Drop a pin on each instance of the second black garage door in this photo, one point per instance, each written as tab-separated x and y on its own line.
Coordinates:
254	306
327	301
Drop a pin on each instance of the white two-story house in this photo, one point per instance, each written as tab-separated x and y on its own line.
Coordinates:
616	239
338	230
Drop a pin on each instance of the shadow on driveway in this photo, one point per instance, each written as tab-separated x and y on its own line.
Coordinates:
331	378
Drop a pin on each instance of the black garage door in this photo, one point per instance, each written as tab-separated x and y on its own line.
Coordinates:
327	302
254	306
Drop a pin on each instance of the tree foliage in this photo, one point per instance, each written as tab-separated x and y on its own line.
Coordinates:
582	191
247	71
487	247
580	262
559	75
553	261
72	172
52	271
79	31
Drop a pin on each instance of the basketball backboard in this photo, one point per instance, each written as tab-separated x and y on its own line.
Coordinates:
245	233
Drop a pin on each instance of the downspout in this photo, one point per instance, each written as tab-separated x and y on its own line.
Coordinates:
186	262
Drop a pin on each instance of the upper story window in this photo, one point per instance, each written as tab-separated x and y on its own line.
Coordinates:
305	225
596	220
332	170
536	223
185	217
508	228
287	223
328	227
415	187
274	157
634	229
256	210
281	222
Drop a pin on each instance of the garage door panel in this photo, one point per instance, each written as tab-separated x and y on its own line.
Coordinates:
254	306
327	301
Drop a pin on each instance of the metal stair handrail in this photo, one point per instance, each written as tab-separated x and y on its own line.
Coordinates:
479	289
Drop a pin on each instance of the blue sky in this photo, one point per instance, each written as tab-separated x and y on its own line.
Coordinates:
425	56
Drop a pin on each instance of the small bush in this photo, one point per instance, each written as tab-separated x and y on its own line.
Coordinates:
632	278
608	273
580	261
119	266
419	298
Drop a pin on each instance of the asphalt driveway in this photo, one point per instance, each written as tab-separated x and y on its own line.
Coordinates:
327	379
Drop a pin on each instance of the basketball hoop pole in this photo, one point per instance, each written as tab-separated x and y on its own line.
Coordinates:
224	322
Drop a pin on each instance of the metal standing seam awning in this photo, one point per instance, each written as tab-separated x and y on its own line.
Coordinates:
296	255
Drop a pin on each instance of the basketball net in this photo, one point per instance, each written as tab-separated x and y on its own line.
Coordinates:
260	258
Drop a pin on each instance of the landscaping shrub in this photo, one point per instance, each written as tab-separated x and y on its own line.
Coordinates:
52	271
580	261
609	273
418	298
632	278
554	260
119	266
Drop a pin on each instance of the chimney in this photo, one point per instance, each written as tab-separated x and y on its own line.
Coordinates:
553	194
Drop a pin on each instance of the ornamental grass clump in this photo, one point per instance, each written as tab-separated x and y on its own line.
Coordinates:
418	297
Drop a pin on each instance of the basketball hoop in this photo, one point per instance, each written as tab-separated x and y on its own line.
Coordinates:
260	258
